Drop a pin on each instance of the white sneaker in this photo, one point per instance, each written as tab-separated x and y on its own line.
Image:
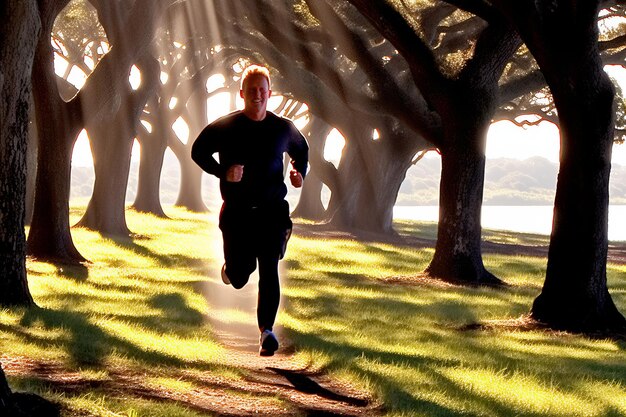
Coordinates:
269	343
225	278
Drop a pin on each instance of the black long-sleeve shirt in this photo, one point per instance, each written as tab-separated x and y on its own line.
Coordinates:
257	145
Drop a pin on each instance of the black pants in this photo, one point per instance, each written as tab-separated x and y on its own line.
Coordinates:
254	234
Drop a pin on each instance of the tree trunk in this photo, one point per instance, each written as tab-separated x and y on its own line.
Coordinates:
58	127
458	255
189	195
19	27
371	173
111	145
152	153
575	294
6	402
310	204
111	149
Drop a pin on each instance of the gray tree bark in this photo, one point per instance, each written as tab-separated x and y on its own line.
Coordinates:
111	146
19	27
575	294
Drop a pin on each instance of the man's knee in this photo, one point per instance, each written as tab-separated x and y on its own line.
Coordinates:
239	284
238	277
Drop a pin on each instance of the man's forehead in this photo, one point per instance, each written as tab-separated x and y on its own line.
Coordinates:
256	79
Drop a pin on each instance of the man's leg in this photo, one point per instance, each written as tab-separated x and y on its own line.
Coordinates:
239	254
269	299
271	243
269	291
271	240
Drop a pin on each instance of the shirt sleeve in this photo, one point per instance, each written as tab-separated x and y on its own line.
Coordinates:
203	149
298	150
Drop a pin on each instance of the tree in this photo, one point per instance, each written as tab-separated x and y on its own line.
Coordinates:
97	101
310	203
19	26
112	143
49	235
575	294
465	101
6	402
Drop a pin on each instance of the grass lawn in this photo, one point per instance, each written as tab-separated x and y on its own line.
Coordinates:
352	309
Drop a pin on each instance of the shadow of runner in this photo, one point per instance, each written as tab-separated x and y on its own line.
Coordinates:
306	385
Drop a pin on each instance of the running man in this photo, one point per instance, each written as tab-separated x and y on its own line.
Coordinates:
254	218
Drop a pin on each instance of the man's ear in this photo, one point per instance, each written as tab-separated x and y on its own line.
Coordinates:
241	93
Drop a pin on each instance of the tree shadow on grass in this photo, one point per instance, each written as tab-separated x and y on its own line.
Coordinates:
514	351
166	260
86	343
393	394
78	273
440	372
175	308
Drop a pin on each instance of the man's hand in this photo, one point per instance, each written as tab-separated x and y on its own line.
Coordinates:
296	178
234	173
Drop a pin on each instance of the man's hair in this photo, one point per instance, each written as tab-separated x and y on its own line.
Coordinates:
255	70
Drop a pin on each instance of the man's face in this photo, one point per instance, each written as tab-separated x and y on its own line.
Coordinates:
255	93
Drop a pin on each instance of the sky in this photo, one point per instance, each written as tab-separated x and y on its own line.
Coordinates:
506	140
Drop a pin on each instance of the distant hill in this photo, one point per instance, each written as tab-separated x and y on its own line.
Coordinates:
507	182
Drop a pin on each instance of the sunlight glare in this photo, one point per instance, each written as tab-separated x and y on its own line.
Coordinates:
147	125
164	77
181	129
333	148
103	48
274	102
81	155
60	65
218	105
135	154
89	62
214	82
173	102
77	77
506	140
135	77
301	122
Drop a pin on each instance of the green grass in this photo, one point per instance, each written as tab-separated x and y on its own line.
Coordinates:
405	343
138	308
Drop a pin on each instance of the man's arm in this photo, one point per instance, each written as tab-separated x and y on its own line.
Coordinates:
298	151
202	152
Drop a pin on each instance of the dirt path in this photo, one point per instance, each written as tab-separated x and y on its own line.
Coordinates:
273	387
305	391
276	386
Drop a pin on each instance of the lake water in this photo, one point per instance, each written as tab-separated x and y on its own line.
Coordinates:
528	219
